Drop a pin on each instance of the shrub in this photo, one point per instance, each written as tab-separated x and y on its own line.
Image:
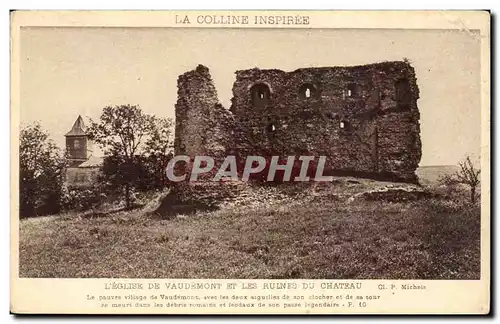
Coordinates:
82	199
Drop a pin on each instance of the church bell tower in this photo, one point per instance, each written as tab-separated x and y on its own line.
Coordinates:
78	146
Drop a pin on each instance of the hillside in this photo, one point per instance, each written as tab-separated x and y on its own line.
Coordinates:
315	231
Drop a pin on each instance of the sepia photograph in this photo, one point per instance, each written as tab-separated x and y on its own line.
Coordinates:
206	151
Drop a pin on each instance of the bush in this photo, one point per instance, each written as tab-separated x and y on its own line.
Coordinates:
82	199
443	205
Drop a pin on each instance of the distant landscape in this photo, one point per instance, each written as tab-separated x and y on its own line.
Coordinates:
430	174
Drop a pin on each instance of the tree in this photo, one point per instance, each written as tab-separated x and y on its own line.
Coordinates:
126	134
158	152
468	175
41	165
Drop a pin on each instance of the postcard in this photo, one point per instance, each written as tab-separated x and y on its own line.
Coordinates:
250	162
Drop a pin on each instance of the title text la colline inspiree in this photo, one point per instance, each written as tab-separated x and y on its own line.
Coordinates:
253	165
214	19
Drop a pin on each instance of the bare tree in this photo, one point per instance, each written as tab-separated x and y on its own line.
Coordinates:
468	175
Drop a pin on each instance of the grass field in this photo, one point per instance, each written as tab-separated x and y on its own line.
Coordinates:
324	237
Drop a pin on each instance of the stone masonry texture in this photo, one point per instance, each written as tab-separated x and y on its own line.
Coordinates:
364	119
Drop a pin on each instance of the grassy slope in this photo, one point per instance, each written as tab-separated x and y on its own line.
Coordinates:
323	238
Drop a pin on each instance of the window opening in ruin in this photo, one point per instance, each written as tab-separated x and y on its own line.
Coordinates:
308	90
352	91
344	126
260	94
271	128
403	94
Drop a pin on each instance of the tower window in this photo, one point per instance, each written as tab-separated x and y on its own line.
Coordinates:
403	94
82	177
308	90
260	94
76	144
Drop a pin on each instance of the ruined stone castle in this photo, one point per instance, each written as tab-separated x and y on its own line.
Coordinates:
364	119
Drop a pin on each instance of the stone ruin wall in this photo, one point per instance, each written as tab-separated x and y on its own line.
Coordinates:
364	119
202	125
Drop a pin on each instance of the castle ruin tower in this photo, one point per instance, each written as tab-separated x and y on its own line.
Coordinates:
203	126
78	146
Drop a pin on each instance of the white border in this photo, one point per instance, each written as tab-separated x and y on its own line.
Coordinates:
147	4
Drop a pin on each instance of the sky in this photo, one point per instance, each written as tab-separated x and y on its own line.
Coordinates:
66	72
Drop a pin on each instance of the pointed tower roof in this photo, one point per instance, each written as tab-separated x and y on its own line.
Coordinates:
78	128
